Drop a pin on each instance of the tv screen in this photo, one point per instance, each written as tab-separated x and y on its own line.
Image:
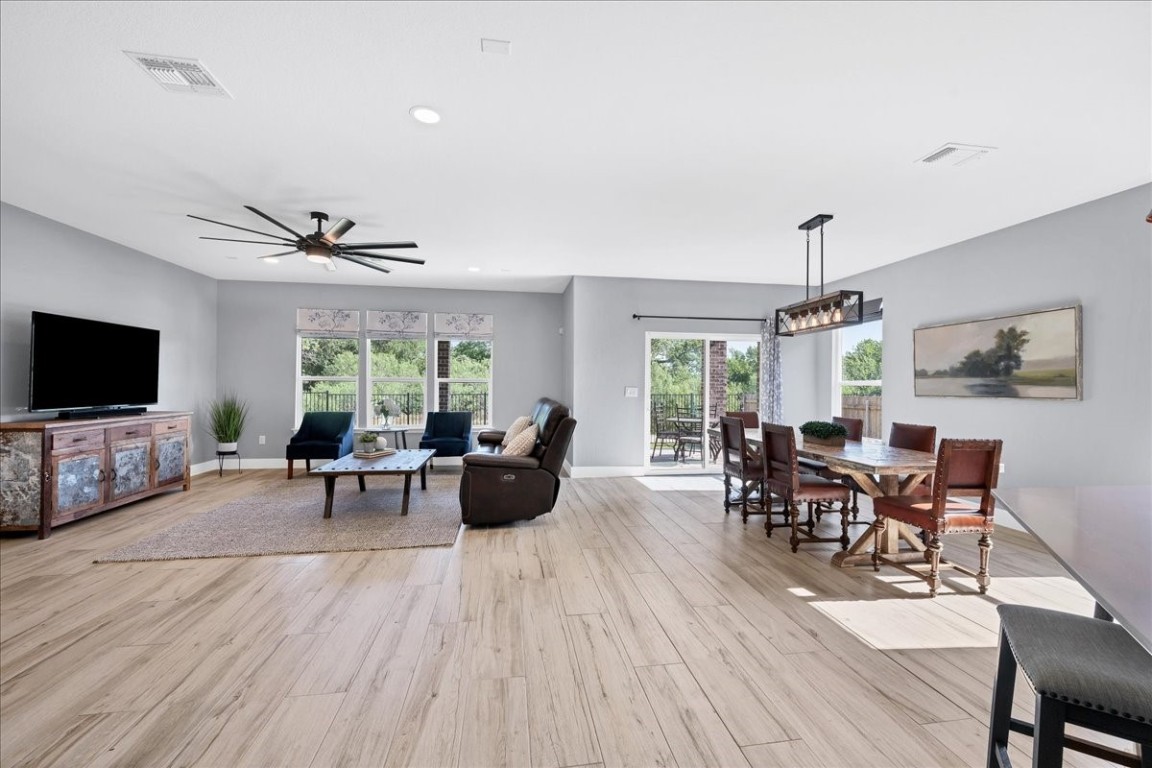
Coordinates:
79	364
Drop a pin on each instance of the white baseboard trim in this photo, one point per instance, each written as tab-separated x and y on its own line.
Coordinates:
212	465
582	472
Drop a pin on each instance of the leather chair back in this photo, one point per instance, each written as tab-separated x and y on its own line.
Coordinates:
966	468
914	437
781	469
751	419
855	427
734	446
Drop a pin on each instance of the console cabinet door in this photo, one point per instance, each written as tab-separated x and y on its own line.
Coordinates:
130	465
171	458
77	481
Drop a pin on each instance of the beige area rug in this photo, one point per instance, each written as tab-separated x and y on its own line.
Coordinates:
287	518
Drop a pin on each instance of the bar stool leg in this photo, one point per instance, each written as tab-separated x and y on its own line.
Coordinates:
1002	691
1048	741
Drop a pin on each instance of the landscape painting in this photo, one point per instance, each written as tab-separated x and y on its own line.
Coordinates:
1029	355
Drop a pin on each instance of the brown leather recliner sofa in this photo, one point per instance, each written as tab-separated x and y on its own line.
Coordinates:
499	489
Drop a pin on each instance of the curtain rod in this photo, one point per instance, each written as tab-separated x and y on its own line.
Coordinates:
696	317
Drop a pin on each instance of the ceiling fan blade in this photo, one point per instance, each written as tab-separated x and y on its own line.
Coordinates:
284	227
388	256
362	246
233	226
338	230
259	242
275	255
362	262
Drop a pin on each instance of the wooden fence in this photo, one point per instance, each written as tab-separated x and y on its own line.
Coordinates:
866	407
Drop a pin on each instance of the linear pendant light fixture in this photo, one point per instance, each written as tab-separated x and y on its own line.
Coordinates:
828	310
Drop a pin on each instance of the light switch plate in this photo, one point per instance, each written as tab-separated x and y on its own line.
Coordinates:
631	392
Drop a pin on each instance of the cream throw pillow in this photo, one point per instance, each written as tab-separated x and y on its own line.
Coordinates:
517	427
523	443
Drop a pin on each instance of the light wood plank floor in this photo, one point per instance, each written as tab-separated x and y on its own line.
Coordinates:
631	626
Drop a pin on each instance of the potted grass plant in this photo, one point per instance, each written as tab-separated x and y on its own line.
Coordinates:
226	416
824	433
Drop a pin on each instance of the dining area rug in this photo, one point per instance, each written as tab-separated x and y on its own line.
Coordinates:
287	518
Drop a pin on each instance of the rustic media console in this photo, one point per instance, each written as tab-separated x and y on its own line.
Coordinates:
54	472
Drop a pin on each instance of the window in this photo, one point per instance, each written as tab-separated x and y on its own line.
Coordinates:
464	377
861	369
329	374
383	372
397	374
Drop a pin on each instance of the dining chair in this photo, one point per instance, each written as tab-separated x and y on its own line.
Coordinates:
914	437
743	462
855	429
1085	672
688	440
966	468
782	477
666	433
715	444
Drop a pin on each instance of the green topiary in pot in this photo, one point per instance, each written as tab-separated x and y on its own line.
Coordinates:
825	432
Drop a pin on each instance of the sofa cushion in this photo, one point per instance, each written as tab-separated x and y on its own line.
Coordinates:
517	427
523	443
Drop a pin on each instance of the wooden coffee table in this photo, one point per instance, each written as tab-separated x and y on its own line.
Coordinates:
404	462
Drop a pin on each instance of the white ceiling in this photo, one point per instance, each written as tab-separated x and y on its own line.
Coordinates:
668	140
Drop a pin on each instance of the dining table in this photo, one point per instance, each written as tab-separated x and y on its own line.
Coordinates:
1102	535
879	470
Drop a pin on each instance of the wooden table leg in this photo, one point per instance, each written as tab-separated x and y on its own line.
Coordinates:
329	492
407	493
361	479
860	551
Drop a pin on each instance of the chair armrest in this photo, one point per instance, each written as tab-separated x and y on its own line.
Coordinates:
500	461
491	437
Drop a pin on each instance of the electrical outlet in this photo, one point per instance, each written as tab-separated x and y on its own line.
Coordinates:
631	391
262	440
1001	469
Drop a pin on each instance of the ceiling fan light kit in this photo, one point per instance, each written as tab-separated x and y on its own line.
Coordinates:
826	311
319	247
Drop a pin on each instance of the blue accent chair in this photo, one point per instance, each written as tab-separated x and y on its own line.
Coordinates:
449	432
324	435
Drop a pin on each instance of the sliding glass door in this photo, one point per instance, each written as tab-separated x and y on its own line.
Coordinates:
692	380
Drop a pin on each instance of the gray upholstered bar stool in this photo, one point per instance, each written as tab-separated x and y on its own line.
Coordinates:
1086	672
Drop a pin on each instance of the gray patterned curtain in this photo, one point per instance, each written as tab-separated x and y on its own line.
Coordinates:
771	396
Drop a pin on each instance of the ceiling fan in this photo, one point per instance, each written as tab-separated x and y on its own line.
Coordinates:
320	247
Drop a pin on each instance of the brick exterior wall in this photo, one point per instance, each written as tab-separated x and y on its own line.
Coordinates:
717	376
443	370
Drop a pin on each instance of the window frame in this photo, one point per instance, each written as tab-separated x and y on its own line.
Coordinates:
436	380
301	378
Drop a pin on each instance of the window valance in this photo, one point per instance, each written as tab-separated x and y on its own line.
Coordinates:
339	323
467	325
397	325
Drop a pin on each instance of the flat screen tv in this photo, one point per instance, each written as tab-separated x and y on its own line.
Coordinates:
87	366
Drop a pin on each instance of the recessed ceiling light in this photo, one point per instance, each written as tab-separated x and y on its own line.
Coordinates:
425	114
270	259
473	269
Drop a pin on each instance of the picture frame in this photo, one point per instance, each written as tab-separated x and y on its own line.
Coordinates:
1034	355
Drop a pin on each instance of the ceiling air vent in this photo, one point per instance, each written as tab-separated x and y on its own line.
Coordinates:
955	154
179	75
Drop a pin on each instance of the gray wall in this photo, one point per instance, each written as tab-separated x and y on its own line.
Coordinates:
47	266
1098	255
257	346
609	354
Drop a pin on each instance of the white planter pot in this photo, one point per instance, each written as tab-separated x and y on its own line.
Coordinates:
226	447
